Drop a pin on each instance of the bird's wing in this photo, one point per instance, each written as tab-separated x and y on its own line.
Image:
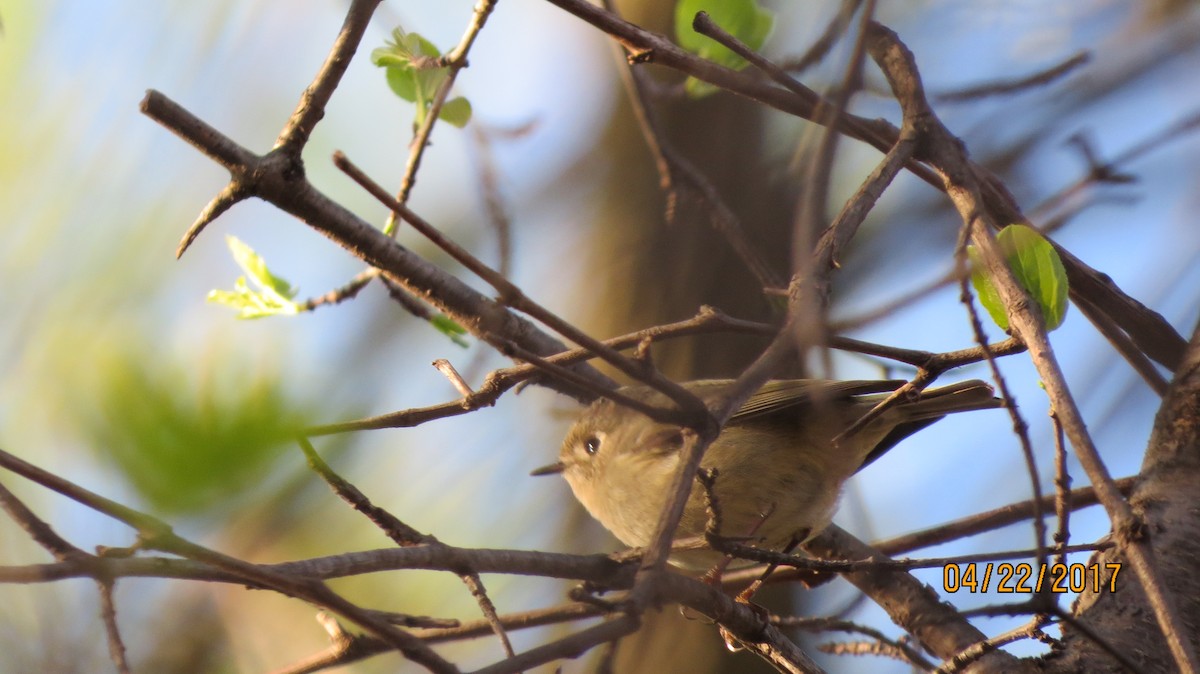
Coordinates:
781	394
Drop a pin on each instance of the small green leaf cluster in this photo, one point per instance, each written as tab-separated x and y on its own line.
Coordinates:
743	19
1036	266
273	296
414	71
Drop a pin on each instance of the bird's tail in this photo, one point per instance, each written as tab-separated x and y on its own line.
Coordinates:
931	405
963	396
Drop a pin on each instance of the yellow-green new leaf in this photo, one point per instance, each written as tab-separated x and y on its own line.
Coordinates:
273	296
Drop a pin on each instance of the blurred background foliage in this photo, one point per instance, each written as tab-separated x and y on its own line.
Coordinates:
116	374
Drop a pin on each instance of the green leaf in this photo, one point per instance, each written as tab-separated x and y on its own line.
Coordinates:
447	326
411	70
413	74
404	50
743	19
456	112
273	296
1036	266
253	264
402	83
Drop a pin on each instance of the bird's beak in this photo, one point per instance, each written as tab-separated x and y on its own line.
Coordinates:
552	469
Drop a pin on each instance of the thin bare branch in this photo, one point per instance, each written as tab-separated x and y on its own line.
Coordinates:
568	647
447	369
454	62
311	107
826	624
40	531
677	174
991	520
1124	345
365	646
1011	86
108	613
402	534
347	292
974	652
512	296
818	50
1062	487
489	186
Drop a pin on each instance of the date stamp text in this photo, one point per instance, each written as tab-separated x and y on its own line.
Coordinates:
1025	578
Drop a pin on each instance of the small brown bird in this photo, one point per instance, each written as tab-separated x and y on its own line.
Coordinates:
779	471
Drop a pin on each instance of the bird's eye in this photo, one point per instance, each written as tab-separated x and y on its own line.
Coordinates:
591	445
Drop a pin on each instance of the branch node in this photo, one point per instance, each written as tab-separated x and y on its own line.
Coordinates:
640	56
